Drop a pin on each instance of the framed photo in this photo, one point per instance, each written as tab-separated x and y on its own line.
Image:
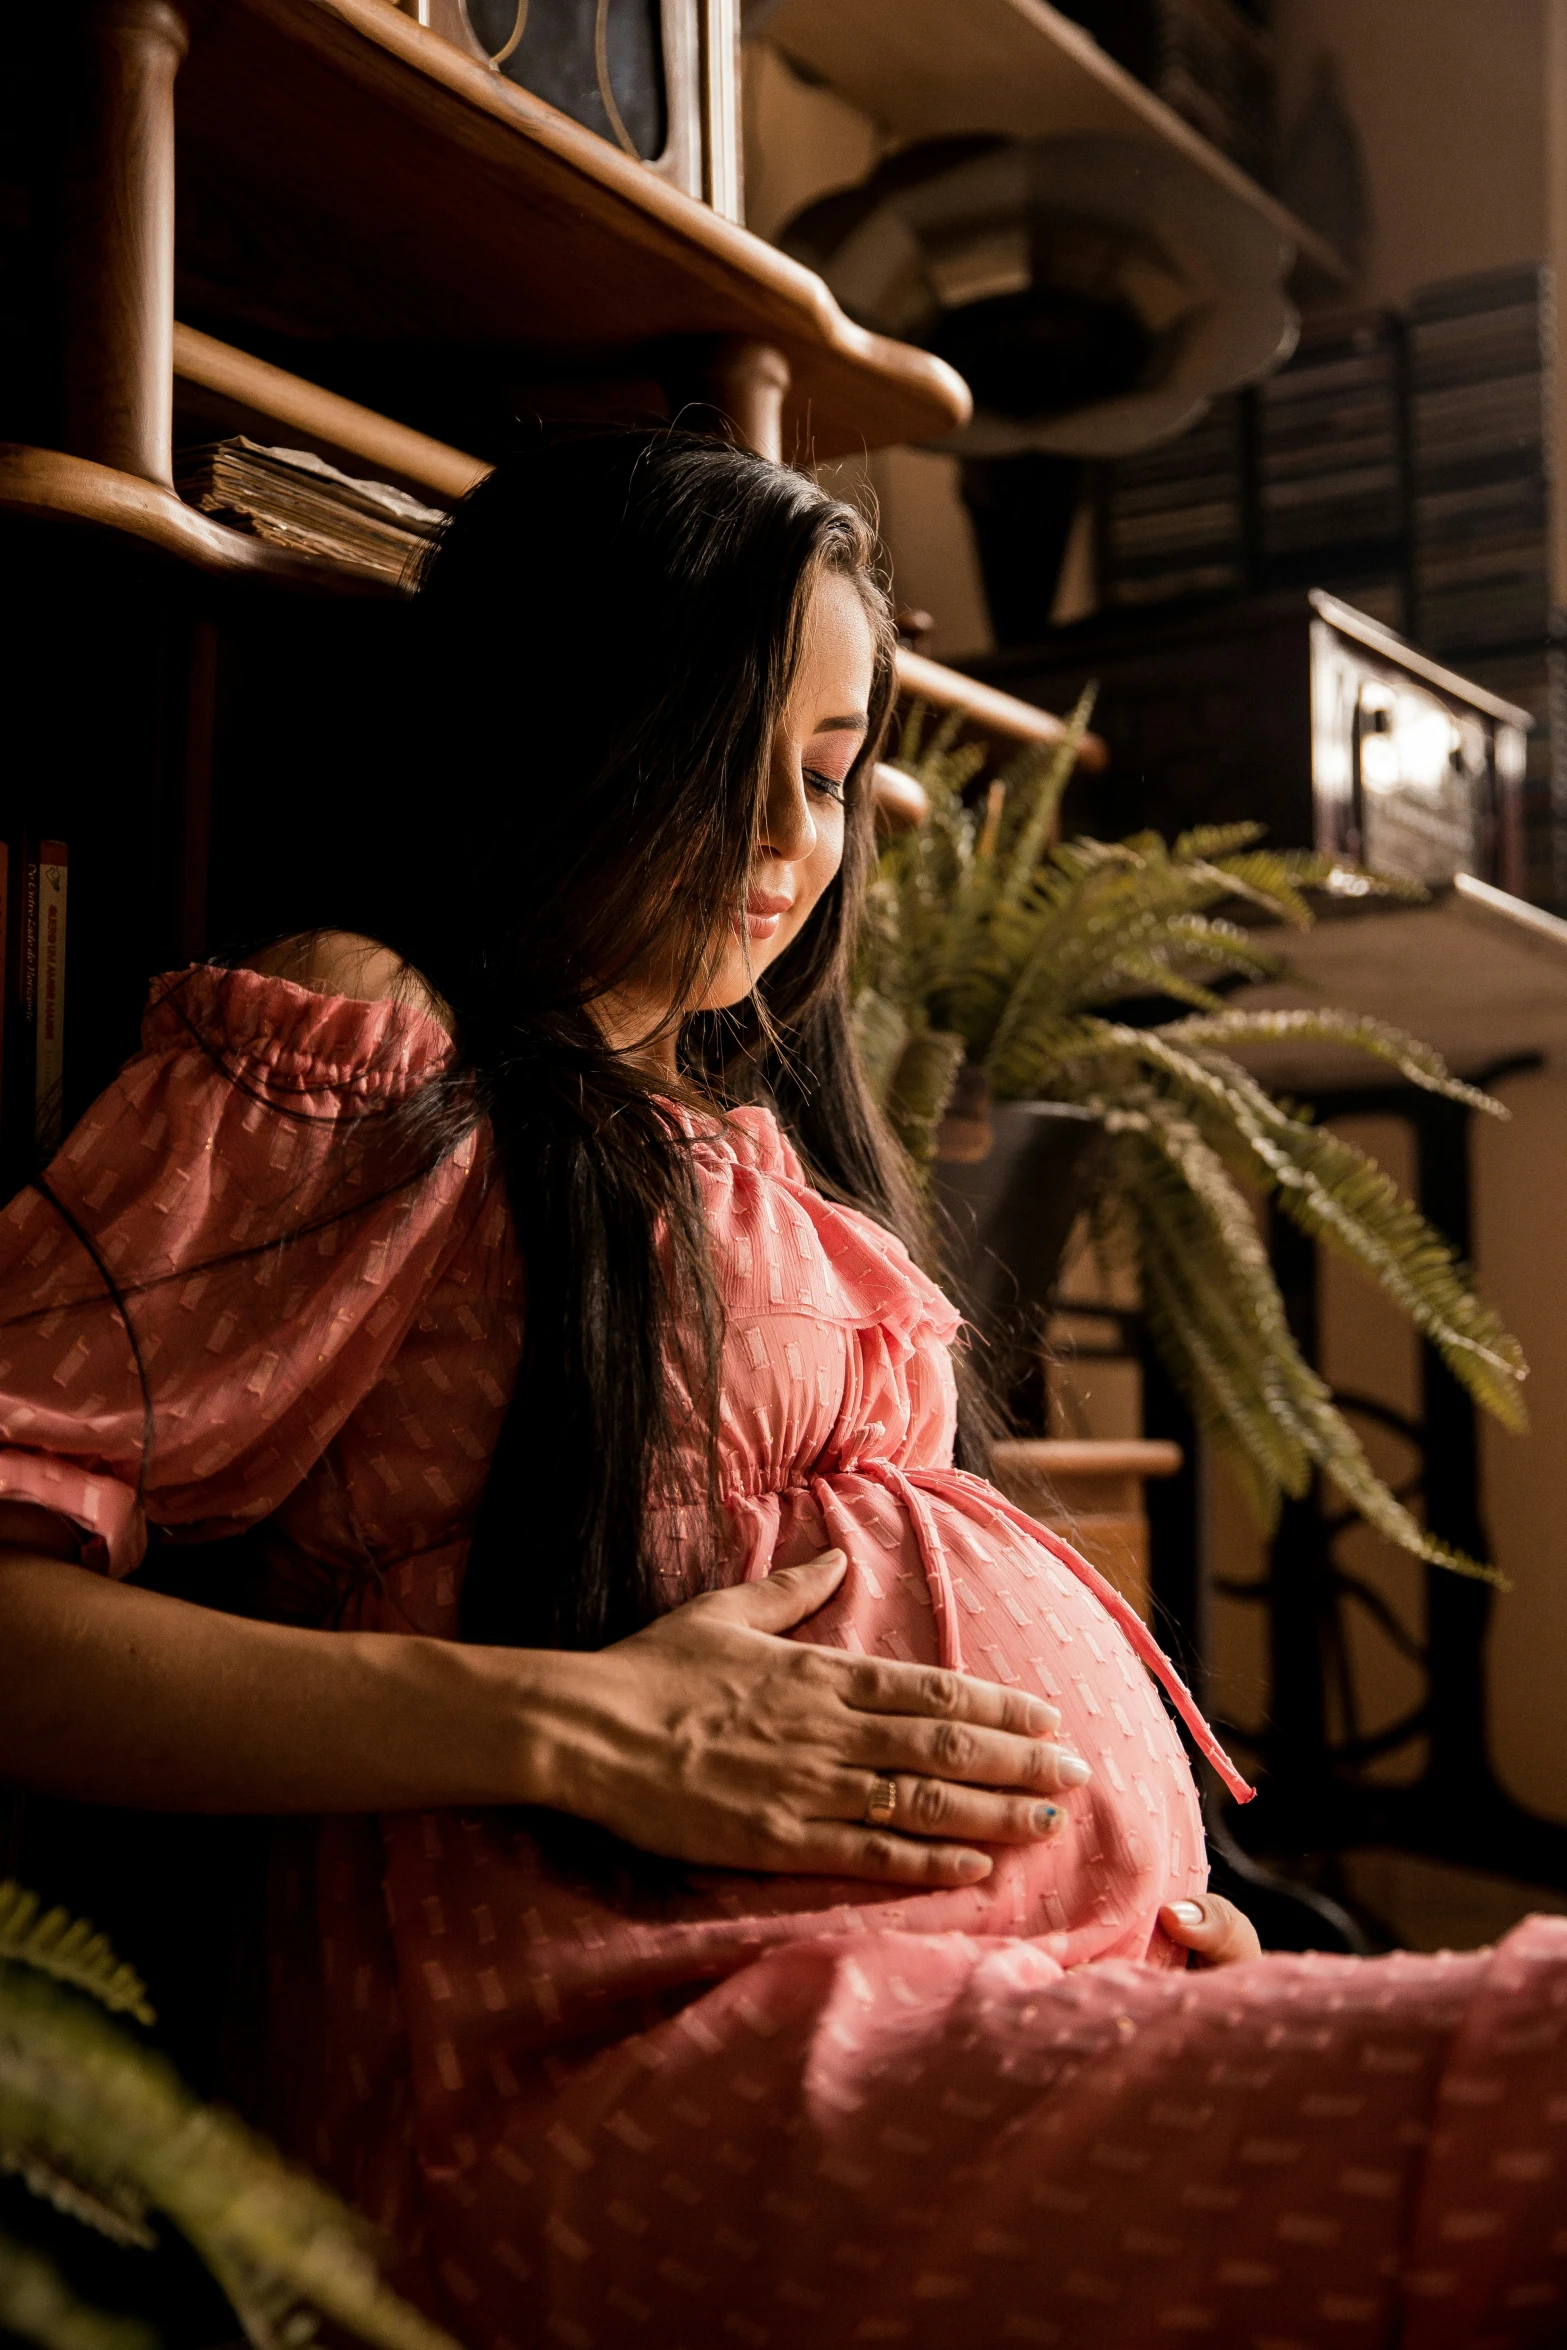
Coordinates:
658	78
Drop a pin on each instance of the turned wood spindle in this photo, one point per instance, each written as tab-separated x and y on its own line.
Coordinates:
748	381
116	252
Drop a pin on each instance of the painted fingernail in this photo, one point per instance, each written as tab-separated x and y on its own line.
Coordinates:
972	1864
1044	1817
1072	1771
1189	1912
1042	1719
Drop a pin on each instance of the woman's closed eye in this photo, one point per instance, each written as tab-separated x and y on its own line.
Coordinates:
827	757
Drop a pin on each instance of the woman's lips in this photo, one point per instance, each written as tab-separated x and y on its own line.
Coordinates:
764	912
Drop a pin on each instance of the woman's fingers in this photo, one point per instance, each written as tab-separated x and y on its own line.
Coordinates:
830	1848
711	1737
936	1808
951	1750
780	1600
1212	1929
932	1692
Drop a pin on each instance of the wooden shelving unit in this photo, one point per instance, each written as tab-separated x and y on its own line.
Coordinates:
200	716
925	69
249	395
345	173
256	395
43	485
328	173
251	391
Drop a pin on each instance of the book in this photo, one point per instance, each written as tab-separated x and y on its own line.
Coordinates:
1211	61
1330	446
1479	401
1173	517
43	988
292	498
5	962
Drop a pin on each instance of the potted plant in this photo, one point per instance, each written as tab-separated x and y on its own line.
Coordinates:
994	963
103	2128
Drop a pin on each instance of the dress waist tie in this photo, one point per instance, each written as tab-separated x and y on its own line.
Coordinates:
911	1487
927	1541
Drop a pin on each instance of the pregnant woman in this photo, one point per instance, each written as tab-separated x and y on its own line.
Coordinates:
743	1872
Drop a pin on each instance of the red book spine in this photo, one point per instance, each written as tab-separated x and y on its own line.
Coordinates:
29	973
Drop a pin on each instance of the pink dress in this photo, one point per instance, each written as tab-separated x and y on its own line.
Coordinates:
595	2102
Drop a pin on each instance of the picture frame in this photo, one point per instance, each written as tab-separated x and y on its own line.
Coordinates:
699	44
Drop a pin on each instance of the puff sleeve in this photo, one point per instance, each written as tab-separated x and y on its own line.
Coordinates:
212	1276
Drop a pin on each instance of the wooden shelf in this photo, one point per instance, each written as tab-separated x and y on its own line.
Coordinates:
266	392
926	68
344	174
43	485
1479	974
256	397
991	710
1054	1458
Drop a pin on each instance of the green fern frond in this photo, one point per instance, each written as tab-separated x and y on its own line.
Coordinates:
920	1088
1207	1284
1313	869
1418	1064
1038	785
37	2305
984	928
1208	841
881	1031
1333	1191
68	1948
1198	1284
1338	1194
87	2113
112	2208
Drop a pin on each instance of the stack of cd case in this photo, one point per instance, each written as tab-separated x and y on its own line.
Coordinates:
1173	518
1479	389
1330	474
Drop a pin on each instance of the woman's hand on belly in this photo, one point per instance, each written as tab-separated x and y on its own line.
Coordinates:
710	1738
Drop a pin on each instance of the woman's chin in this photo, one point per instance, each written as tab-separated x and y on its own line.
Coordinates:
735	979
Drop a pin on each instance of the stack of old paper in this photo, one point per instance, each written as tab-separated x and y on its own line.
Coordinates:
295	499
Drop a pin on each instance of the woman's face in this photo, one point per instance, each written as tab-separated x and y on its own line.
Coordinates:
800	841
800	844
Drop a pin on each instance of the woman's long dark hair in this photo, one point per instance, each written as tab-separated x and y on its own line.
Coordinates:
609	630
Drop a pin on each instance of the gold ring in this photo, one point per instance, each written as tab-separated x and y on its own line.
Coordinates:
881	1804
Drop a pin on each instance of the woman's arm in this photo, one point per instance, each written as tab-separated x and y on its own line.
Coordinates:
115	1695
706	1737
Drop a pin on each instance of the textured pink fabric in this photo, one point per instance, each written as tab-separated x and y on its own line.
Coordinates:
599	2100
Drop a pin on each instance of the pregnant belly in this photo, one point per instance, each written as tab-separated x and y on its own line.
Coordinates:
942	1571
583	1946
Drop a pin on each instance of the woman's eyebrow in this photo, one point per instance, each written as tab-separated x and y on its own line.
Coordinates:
858	724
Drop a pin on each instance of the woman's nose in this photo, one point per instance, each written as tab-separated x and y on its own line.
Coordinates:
788	827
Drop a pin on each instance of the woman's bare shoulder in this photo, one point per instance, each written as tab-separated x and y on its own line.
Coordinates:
345	963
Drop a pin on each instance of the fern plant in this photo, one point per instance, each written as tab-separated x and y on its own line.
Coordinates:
992	945
103	2128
